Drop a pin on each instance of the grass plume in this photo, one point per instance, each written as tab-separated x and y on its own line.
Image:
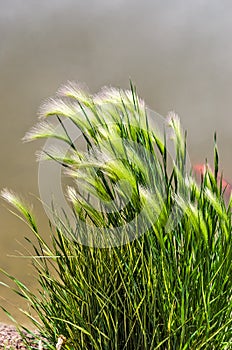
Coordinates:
166	288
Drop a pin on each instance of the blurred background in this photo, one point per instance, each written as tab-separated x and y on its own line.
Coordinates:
178	53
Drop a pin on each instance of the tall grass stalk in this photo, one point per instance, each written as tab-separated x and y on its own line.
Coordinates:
166	288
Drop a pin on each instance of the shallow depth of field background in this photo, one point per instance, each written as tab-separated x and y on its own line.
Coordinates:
178	53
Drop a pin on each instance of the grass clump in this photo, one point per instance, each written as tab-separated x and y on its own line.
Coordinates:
154	271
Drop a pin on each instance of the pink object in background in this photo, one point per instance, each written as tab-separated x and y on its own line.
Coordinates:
200	169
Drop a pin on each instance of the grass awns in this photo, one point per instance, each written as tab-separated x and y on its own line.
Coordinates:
167	282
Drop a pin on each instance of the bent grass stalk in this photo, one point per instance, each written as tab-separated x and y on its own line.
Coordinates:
166	289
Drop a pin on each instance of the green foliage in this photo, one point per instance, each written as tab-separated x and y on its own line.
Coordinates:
168	288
